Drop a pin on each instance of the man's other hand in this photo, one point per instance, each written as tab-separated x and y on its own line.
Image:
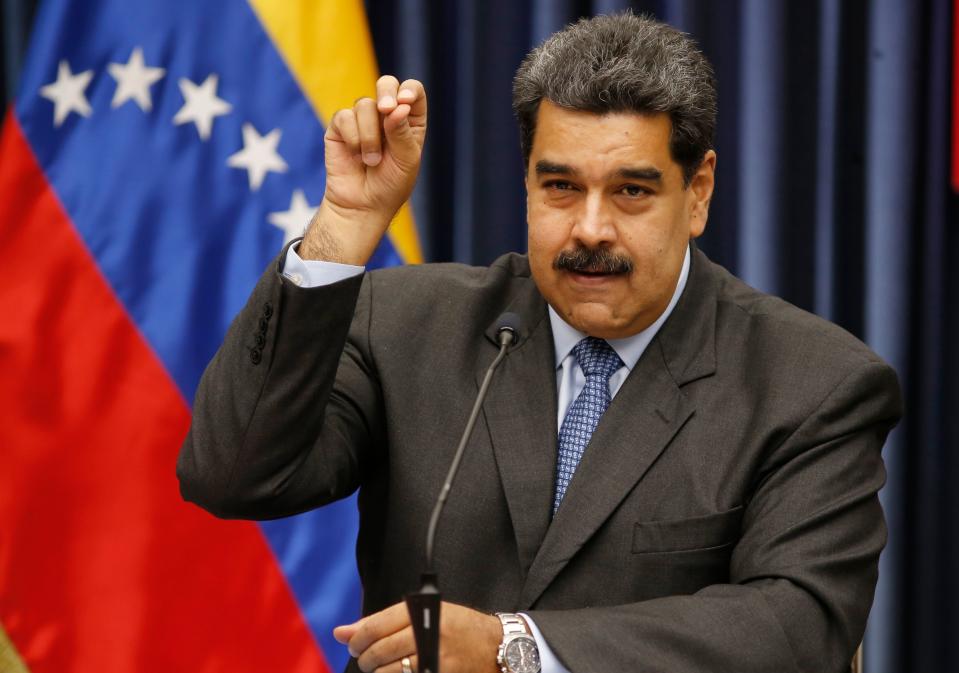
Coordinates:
468	640
373	153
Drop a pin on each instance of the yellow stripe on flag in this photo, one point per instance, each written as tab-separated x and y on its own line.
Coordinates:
9	659
327	46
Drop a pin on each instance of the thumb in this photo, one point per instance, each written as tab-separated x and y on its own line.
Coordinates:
399	136
343	633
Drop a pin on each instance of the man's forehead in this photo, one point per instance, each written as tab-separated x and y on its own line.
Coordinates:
619	141
550	112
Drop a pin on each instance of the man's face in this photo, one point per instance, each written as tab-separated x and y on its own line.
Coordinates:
609	218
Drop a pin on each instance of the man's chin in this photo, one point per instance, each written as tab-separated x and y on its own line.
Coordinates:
595	319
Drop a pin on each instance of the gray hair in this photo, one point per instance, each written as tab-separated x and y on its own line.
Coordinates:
623	63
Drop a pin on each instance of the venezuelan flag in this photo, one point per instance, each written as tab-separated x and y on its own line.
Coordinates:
156	158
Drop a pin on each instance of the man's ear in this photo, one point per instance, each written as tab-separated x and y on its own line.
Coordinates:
701	193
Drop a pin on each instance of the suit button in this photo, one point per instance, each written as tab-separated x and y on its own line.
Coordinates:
260	341
256	355
267	309
263	325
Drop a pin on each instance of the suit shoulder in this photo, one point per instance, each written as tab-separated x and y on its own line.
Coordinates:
773	325
785	362
437	291
451	276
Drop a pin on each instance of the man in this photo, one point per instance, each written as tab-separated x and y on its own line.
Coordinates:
673	472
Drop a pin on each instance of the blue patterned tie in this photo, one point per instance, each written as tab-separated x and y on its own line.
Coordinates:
598	361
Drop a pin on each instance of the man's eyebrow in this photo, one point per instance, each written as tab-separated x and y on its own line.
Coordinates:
650	174
544	167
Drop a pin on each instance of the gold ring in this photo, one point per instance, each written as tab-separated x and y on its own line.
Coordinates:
407	665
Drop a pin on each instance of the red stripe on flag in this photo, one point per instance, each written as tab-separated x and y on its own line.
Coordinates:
102	566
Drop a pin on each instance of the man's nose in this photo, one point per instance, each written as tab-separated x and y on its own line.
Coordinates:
595	225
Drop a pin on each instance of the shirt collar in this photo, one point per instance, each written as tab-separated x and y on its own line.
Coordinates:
629	349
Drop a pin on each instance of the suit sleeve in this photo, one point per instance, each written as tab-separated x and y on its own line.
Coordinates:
802	574
286	414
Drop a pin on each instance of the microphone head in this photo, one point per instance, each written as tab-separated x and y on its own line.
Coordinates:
507	328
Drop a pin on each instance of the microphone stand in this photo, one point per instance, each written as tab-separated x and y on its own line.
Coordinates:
424	605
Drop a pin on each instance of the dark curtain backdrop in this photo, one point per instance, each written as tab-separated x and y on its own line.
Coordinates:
833	192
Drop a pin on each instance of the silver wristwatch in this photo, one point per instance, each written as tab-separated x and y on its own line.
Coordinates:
518	652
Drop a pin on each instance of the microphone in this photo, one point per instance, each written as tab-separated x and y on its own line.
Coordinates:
424	606
508	326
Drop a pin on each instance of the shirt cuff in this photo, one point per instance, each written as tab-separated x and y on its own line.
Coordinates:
549	662
314	273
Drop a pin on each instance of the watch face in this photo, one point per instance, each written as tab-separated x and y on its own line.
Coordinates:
522	655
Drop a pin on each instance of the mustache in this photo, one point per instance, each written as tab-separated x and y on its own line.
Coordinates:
592	260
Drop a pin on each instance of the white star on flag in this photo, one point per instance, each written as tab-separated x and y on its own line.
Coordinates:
258	155
201	105
67	93
134	80
294	220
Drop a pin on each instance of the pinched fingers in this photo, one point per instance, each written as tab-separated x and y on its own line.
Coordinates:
387	95
393	125
412	93
390	94
399	102
387	88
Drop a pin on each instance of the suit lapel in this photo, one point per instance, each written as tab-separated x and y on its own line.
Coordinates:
520	412
642	419
640	422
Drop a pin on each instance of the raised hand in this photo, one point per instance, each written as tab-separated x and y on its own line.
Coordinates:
373	153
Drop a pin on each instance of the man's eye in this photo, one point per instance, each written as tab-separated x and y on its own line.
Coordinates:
634	190
560	185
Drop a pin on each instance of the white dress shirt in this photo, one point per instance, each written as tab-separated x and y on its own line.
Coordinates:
569	377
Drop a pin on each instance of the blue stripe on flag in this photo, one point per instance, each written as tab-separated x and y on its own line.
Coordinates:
179	235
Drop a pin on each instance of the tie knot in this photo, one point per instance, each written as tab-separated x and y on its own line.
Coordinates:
596	358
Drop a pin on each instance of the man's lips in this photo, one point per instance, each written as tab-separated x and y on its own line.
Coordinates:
587	277
593	272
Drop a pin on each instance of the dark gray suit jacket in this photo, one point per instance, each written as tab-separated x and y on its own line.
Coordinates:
724	517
